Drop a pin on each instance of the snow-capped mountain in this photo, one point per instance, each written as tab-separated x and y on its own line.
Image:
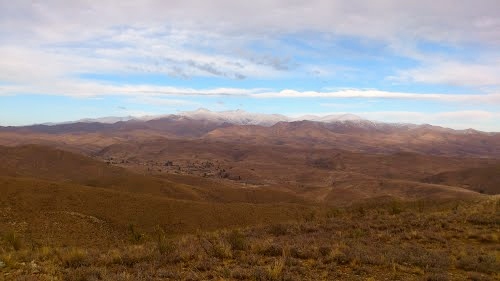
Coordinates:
237	117
330	118
241	117
108	120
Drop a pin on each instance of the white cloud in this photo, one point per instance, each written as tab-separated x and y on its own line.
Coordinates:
453	73
445	20
85	89
54	40
370	94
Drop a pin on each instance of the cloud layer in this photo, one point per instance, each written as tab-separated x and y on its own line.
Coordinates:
177	52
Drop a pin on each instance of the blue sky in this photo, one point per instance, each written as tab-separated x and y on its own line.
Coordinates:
424	61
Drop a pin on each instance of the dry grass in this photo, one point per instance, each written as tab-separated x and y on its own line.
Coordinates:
430	244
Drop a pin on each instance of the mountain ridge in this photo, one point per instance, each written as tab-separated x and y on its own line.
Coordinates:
240	117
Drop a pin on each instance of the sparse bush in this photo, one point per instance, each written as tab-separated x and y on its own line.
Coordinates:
83	274
13	240
272	250
325	251
163	244
395	208
489	238
214	245
113	257
221	250
333	213
310	216
135	254
237	240
74	257
302	253
135	236
45	253
275	271
486	263
279	229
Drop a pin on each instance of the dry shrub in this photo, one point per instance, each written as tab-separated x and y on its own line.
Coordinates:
486	263
489	238
136	254
275	271
273	250
279	229
325	251
135	236
164	245
13	240
237	240
302	252
74	257
214	245
113	256
83	274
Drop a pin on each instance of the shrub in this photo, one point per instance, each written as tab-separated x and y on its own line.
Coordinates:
486	263
302	253
135	236
279	229
74	257
272	251
215	246
163	244
221	249
237	240
325	251
135	254
275	271
395	208
13	240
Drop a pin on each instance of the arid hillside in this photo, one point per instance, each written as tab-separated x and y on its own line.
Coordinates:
357	136
40	162
183	199
483	180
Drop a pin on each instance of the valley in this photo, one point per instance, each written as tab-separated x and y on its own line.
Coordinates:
183	198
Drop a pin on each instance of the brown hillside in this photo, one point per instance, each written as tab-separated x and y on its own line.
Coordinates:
367	137
57	165
65	214
484	180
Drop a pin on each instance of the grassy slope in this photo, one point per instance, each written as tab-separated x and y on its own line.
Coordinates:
77	214
426	240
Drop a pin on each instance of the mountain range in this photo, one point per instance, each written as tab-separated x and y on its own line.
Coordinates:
236	117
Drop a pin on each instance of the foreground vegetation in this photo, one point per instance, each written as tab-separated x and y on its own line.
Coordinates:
454	240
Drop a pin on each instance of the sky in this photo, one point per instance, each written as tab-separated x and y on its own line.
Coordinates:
422	61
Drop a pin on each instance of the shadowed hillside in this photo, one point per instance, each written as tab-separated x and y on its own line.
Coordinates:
484	180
